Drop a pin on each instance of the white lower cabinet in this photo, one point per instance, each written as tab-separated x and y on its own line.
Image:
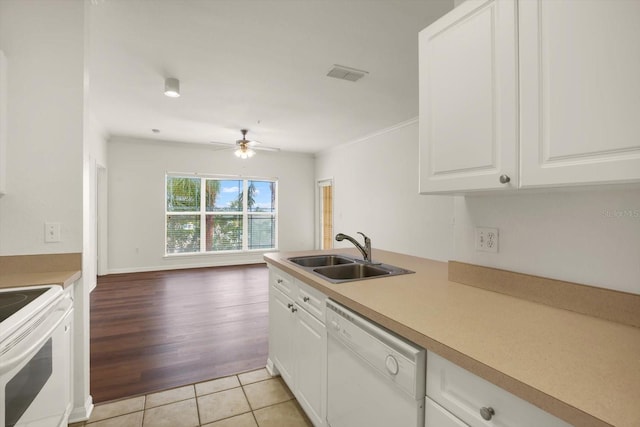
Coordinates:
311	385
456	397
435	415
298	342
281	328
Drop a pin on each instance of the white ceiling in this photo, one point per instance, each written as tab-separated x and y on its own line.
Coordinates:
259	65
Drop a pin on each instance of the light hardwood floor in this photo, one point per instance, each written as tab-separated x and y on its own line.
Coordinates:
160	330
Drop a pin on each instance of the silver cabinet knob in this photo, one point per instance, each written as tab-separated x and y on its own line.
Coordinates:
487	413
306	299
504	179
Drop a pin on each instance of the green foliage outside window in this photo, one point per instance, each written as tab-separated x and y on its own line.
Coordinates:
219	205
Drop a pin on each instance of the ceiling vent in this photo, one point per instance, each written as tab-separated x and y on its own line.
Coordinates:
346	73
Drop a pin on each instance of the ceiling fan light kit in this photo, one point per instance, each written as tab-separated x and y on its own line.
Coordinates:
244	151
245	148
172	87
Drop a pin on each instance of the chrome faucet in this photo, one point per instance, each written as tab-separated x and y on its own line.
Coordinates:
366	250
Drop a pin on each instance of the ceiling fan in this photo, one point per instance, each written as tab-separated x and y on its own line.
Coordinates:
245	148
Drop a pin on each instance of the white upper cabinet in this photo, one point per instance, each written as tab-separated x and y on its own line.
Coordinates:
580	92
544	92
468	97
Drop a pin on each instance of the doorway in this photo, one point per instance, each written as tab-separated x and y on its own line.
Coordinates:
325	213
101	220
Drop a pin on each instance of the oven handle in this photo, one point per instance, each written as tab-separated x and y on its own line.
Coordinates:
61	312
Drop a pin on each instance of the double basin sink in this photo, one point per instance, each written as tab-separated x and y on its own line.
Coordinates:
342	268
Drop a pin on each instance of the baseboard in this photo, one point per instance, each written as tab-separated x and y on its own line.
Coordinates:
271	368
184	266
82	413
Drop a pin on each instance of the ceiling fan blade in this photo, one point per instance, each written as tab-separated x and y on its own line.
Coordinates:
253	144
263	148
223	146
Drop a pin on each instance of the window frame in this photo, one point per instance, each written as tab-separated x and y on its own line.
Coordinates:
202	213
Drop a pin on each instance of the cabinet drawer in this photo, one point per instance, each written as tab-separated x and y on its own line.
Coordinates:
465	395
282	281
311	300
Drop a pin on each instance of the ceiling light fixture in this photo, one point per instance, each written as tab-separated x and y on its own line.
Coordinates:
244	151
172	87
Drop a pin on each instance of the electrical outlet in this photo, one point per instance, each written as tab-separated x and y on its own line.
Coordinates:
487	239
51	232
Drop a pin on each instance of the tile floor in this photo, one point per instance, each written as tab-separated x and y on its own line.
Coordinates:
252	399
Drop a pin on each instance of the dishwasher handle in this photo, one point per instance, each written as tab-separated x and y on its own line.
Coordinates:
340	315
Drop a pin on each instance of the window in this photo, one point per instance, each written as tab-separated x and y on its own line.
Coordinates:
213	214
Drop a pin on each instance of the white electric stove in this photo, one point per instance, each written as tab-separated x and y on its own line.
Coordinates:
35	344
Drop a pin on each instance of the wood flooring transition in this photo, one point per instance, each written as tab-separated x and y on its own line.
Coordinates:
158	330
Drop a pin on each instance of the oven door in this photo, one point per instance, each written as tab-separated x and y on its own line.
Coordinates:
35	372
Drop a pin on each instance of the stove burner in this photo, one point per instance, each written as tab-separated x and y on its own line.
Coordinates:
12	301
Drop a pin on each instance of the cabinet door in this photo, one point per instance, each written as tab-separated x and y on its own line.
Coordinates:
436	416
311	344
580	92
468	99
281	330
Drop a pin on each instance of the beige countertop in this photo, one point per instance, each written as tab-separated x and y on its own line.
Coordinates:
45	269
583	369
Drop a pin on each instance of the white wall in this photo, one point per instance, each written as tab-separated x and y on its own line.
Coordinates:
137	208
585	236
95	141
95	158
376	192
43	43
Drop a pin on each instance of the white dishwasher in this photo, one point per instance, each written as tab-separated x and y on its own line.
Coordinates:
374	378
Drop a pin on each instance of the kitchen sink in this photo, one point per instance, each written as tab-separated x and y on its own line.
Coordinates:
351	271
321	260
342	268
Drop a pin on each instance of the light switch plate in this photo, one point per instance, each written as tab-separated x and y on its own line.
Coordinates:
487	239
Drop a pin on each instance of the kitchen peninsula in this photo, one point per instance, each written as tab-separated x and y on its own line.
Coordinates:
578	367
